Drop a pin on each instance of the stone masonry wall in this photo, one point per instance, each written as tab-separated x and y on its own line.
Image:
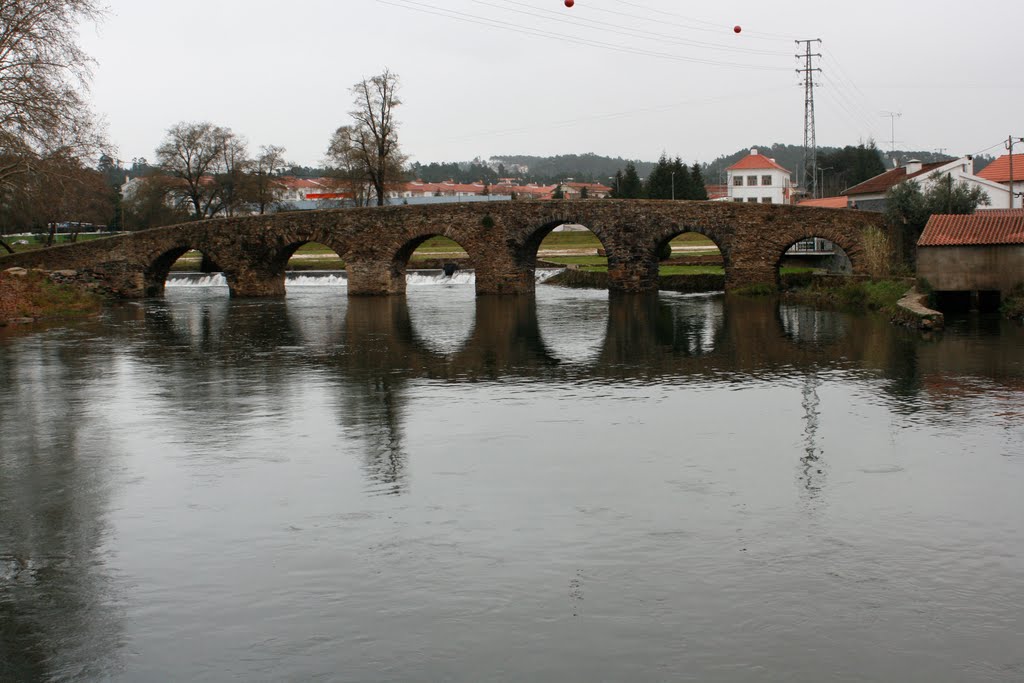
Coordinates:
501	239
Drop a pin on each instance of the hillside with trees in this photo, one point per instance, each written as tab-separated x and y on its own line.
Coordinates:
580	167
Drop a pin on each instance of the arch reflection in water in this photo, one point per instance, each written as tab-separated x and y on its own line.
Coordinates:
658	330
443	324
317	317
696	321
194	317
572	323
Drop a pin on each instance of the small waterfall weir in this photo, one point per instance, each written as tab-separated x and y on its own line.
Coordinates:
339	278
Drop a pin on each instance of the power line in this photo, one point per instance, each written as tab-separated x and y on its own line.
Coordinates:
717	27
518	28
612	115
621	30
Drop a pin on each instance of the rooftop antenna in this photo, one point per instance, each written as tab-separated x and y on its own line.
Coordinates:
893	115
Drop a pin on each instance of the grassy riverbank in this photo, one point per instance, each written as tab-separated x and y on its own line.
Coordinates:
34	296
850	293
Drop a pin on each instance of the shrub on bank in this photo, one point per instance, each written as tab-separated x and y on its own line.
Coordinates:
1013	304
852	294
33	295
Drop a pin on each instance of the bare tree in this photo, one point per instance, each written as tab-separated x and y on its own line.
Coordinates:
151	204
233	178
263	191
44	76
368	149
57	189
193	153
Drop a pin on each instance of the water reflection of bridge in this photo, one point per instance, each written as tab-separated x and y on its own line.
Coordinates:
626	336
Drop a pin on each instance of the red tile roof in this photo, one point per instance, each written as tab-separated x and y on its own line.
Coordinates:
827	202
594	187
755	162
884	181
999	170
980	228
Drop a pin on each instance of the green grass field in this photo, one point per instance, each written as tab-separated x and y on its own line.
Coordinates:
37	241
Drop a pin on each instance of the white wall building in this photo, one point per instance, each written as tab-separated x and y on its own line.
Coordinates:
870	194
758	179
999	172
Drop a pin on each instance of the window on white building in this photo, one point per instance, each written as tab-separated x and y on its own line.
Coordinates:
738	199
766	200
737	181
752	199
766	180
752	180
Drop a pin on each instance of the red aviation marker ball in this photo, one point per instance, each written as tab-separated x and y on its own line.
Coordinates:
737	28
570	3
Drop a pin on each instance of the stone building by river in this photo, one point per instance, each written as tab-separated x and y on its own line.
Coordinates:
977	257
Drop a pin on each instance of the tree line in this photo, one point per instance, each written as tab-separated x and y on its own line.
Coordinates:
668	179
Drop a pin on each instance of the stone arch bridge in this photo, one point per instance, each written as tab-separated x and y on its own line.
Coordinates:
501	239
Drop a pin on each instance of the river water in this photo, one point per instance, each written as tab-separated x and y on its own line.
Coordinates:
574	487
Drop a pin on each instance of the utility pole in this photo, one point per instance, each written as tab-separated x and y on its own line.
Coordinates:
1009	145
810	139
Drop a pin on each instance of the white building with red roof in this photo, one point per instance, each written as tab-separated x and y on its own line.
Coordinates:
757	179
871	195
999	172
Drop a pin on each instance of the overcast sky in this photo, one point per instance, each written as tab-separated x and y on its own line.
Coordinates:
631	79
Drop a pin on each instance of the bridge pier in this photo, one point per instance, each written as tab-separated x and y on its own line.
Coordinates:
745	276
494	279
249	282
374	278
633	277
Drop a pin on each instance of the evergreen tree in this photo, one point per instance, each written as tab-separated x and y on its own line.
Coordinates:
697	188
632	187
683	184
659	182
849	166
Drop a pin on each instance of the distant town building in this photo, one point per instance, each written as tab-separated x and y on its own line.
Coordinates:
717	193
870	195
574	190
757	179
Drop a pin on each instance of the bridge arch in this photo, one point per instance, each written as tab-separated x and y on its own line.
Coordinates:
282	261
848	247
160	262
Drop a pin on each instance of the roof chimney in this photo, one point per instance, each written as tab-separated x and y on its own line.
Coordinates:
753	150
913	166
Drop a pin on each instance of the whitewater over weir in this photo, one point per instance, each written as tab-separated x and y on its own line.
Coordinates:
339	278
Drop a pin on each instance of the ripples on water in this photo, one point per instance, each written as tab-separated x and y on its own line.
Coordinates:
572	487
